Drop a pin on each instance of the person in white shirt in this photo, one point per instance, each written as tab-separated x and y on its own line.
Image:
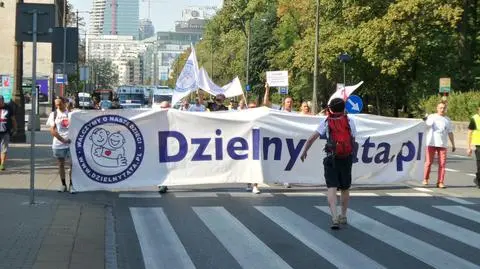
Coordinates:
439	130
59	123
197	107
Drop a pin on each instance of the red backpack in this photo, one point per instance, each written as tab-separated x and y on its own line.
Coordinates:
340	140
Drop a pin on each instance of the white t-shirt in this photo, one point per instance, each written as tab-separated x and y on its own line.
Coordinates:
197	108
63	123
440	127
322	128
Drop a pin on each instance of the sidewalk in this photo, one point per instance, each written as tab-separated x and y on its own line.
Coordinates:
60	231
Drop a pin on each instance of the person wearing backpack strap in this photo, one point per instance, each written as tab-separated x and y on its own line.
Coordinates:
340	131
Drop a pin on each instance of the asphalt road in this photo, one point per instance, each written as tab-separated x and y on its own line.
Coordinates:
228	228
400	226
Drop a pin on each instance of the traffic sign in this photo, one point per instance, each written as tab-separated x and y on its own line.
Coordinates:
283	90
354	104
445	85
248	88
60	79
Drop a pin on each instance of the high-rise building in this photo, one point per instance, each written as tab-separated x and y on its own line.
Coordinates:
146	29
121	17
97	17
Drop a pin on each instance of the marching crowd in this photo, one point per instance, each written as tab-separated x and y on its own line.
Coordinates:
338	127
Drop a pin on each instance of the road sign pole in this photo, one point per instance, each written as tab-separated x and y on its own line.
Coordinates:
32	112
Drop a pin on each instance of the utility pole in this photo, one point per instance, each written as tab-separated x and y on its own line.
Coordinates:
77	84
62	93
249	33
17	95
315	71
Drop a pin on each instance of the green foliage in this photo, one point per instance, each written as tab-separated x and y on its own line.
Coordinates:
461	105
105	74
399	48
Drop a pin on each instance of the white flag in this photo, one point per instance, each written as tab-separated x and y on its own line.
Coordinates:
205	83
234	88
345	92
188	79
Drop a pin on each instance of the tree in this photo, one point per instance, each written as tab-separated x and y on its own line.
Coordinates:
105	74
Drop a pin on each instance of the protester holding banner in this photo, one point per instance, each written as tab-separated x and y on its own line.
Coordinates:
59	123
8	126
217	105
340	131
305	109
287	107
440	129
185	105
474	141
197	107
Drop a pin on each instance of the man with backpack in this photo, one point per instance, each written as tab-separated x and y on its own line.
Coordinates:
340	131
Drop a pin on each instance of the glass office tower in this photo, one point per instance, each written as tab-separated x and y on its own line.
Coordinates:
122	17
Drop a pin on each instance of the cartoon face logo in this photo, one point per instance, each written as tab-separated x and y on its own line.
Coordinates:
109	149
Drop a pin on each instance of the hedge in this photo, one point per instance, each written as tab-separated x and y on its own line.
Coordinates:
461	106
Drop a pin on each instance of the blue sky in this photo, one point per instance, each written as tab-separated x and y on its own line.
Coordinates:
164	13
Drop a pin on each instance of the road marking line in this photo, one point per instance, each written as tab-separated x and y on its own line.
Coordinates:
451	170
301	194
250	194
140	195
461	211
158	240
423	189
195	194
409	194
459	156
410	245
458	200
436	225
320	241
472	175
363	194
241	243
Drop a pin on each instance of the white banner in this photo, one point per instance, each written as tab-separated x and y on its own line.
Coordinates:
277	78
136	148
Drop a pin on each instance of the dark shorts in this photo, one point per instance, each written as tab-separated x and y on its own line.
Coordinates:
338	172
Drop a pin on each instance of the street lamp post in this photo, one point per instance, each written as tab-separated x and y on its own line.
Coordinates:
62	93
315	71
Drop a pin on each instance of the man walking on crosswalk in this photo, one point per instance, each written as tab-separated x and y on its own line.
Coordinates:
340	131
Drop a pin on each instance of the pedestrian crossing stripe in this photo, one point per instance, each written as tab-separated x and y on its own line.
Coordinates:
453	231
159	241
323	243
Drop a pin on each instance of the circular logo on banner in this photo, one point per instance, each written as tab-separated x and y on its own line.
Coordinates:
109	149
186	80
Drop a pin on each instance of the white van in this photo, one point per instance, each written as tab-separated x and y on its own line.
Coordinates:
160	94
85	100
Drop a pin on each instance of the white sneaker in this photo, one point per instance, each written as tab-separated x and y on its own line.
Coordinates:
63	188
255	190
72	190
287	185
